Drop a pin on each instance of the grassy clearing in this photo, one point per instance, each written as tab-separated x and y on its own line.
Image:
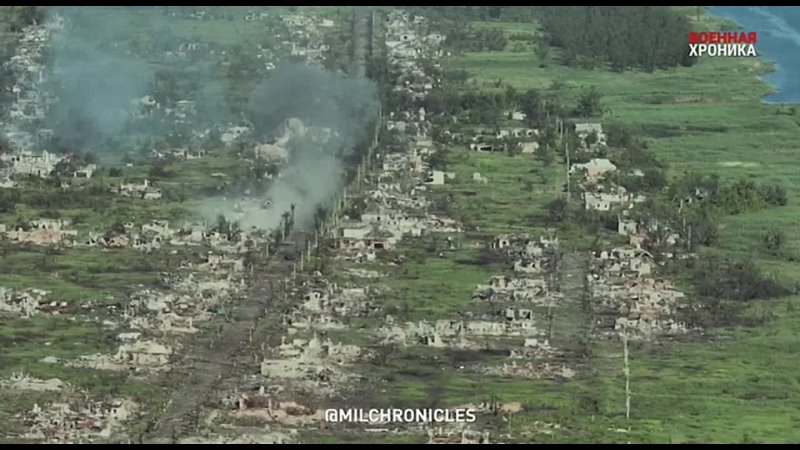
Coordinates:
79	275
514	196
739	387
433	287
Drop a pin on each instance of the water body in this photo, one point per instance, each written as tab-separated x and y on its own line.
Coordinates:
778	29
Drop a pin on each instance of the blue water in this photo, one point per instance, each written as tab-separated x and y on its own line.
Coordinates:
778	30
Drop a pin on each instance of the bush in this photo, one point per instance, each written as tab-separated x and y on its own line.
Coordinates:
774	195
774	242
736	280
557	210
159	171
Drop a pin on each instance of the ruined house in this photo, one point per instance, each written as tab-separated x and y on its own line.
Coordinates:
435	177
583	130
144	353
522	246
531	266
528	148
24	302
482	147
621	261
271	152
602	201
626	227
144	190
40	165
595	169
233	133
43	232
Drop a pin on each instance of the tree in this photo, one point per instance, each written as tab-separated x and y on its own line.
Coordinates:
159	170
589	103
618	136
320	213
511	94
542	52
222	224
652	37
439	158
703	229
774	194
89	158
545	154
531	104
8	200
733	279
286	226
591	139
557	210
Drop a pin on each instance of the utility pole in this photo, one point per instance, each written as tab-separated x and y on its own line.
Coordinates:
627	371
566	154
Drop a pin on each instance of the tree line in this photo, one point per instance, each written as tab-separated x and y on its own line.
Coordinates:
625	37
488	107
643	37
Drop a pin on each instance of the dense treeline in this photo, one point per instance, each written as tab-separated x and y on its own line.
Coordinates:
733	198
646	37
488	108
642	37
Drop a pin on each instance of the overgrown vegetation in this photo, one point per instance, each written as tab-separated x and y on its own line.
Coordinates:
647	37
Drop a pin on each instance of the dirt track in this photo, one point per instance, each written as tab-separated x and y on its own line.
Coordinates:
205	367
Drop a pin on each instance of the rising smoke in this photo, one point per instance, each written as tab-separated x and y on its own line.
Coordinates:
95	83
96	78
98	68
319	100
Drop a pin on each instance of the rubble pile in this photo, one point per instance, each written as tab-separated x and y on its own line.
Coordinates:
268	410
45	232
641	306
456	434
24	382
77	421
135	354
321	362
463	334
25	302
306	36
502	288
325	304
